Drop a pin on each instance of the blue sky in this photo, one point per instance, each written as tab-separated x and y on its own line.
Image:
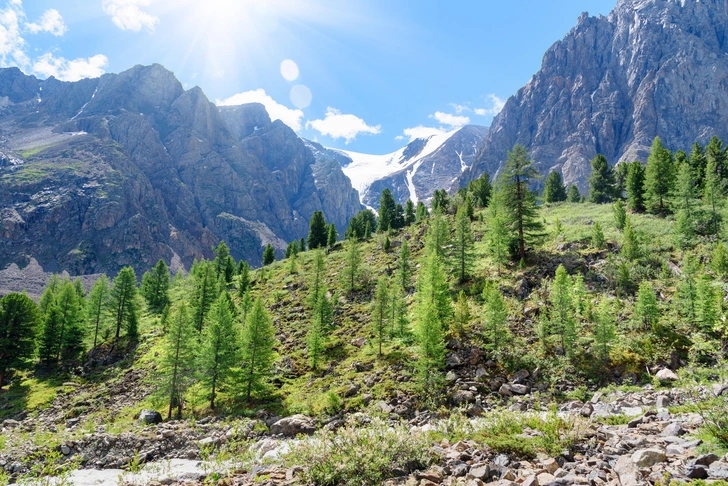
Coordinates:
365	75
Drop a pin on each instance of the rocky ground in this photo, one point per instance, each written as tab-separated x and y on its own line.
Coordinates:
650	445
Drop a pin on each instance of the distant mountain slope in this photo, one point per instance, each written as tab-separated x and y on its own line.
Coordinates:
650	68
129	168
414	171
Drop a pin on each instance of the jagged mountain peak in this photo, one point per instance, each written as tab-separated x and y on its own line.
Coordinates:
650	68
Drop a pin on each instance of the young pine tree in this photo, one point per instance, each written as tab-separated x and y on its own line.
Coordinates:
562	310
123	298
155	286
498	240
521	210
178	357
410	215
404	266
219	351
712	193
380	313
352	266
719	260
645	308
257	349
597	237
19	319
630	243
462	314
422	213
463	245
620	214
605	330
687	291
222	254
243	278
573	195
332	236
708	305
438	234
496	319
98	304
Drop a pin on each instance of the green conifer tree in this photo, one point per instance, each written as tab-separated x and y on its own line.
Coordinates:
687	291
597	237
352	266
98	305
496	319
481	189
50	338
155	286
553	188
708	304
19	320
269	254
205	292
698	161
462	314
713	192
219	351
71	336
605	329
380	313
332	236
422	212
387	207
409	213
174	372
659	178
602	186
719	260
520	203
620	214
498	235
645	308
123	299
562	310
257	349
404	266
243	278
635	187
630	245
222	254
573	195
463	245
318	231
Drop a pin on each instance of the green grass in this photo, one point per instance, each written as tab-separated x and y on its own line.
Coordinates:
28	153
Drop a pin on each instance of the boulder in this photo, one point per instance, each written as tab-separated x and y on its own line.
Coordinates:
628	472
463	396
293	426
149	417
645	458
666	375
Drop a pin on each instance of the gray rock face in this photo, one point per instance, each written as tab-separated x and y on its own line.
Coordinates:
130	168
650	68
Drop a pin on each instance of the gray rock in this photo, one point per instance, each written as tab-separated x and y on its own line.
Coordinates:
586	410
149	417
697	472
674	429
293	426
666	375
706	459
628	472
519	389
463	396
662	401
645	458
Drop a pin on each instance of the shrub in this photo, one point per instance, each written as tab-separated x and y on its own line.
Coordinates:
360	455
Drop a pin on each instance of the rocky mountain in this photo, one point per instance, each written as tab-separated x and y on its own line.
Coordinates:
412	172
650	68
129	168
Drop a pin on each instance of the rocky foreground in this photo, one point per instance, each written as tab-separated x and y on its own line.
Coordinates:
650	445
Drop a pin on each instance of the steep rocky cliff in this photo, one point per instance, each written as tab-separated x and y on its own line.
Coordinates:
129	168
650	68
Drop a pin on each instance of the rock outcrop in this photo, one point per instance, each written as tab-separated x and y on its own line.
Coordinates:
650	68
129	168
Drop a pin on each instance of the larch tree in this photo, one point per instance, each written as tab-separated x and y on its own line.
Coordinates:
333	235
659	178
317	231
70	340
19	320
438	234
269	254
481	190
496	318
178	357
519	201
498	235
463	245
605	329
462	314
713	192
98	305
123	299
553	189
221	262
698	162
243	278
404	266
602	186
257	349
562	310
619	211
380	313
387	209
219	350
573	195
155	287
645	308
409	213
635	187
422	213
352	265
206	289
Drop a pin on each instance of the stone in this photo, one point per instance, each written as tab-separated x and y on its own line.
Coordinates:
697	472
666	375
662	401
206	442
519	389
530	481
479	472
635	422
65	450
463	396
673	429
586	410
550	465
628	472
645	458
545	478
293	426
149	417
505	390
706	459
451	377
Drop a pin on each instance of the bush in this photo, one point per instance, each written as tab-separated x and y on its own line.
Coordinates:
716	420
360	455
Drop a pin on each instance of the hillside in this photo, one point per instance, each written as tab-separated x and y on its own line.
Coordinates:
103	393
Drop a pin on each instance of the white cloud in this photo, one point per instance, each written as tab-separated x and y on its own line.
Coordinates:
275	110
421	132
127	14
496	105
452	120
73	70
12	45
51	21
341	125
